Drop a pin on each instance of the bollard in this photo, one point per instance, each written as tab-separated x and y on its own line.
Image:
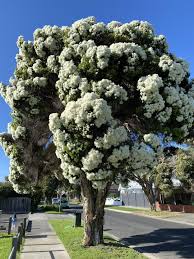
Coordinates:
24	233
29	226
9	226
22	227
14	246
19	237
77	219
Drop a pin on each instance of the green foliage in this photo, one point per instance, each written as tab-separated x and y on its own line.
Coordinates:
163	177
6	190
49	207
185	167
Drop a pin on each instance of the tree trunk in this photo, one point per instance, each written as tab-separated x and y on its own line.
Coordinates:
150	194
93	203
192	191
152	200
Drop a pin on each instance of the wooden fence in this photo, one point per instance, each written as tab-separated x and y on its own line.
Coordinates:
136	199
15	205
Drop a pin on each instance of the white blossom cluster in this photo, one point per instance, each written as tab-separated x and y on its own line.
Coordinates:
15	94
109	90
92	160
141	159
47	39
96	167
144	157
177	98
152	139
166	101
113	137
70	172
149	88
87	111
177	69
8	147
118	155
18	132
16	169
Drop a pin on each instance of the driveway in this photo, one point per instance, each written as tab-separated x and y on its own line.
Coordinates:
156	237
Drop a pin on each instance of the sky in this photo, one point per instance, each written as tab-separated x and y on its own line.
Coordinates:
173	18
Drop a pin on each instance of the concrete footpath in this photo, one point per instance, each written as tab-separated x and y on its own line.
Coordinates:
42	241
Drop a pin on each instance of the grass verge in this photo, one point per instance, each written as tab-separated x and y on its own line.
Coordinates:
53	212
72	239
5	245
162	214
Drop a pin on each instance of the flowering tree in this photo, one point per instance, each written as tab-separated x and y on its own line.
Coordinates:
94	85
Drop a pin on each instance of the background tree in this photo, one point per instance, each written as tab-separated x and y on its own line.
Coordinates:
152	167
95	84
185	170
6	190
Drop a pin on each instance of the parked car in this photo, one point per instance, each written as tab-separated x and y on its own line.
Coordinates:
55	200
64	203
113	201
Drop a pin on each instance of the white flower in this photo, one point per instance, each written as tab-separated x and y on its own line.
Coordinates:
54	122
142	159
37	66
118	155
86	110
109	89
92	160
149	93
40	81
52	64
152	139
113	137
128	49
177	68
102	53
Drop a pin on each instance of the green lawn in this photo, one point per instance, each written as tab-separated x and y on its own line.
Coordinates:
5	245
72	239
148	212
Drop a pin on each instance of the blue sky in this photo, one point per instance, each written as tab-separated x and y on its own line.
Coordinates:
172	18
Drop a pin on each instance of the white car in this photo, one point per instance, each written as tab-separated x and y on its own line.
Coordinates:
55	200
113	201
64	202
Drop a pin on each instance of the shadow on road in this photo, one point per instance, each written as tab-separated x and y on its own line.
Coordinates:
180	241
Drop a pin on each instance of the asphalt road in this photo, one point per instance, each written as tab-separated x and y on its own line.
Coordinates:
156	237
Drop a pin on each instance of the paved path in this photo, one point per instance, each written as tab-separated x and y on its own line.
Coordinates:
161	239
42	241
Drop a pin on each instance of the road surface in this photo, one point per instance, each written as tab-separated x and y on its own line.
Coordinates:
156	237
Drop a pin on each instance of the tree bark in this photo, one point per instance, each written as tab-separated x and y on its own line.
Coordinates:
192	191
151	195
93	204
151	198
